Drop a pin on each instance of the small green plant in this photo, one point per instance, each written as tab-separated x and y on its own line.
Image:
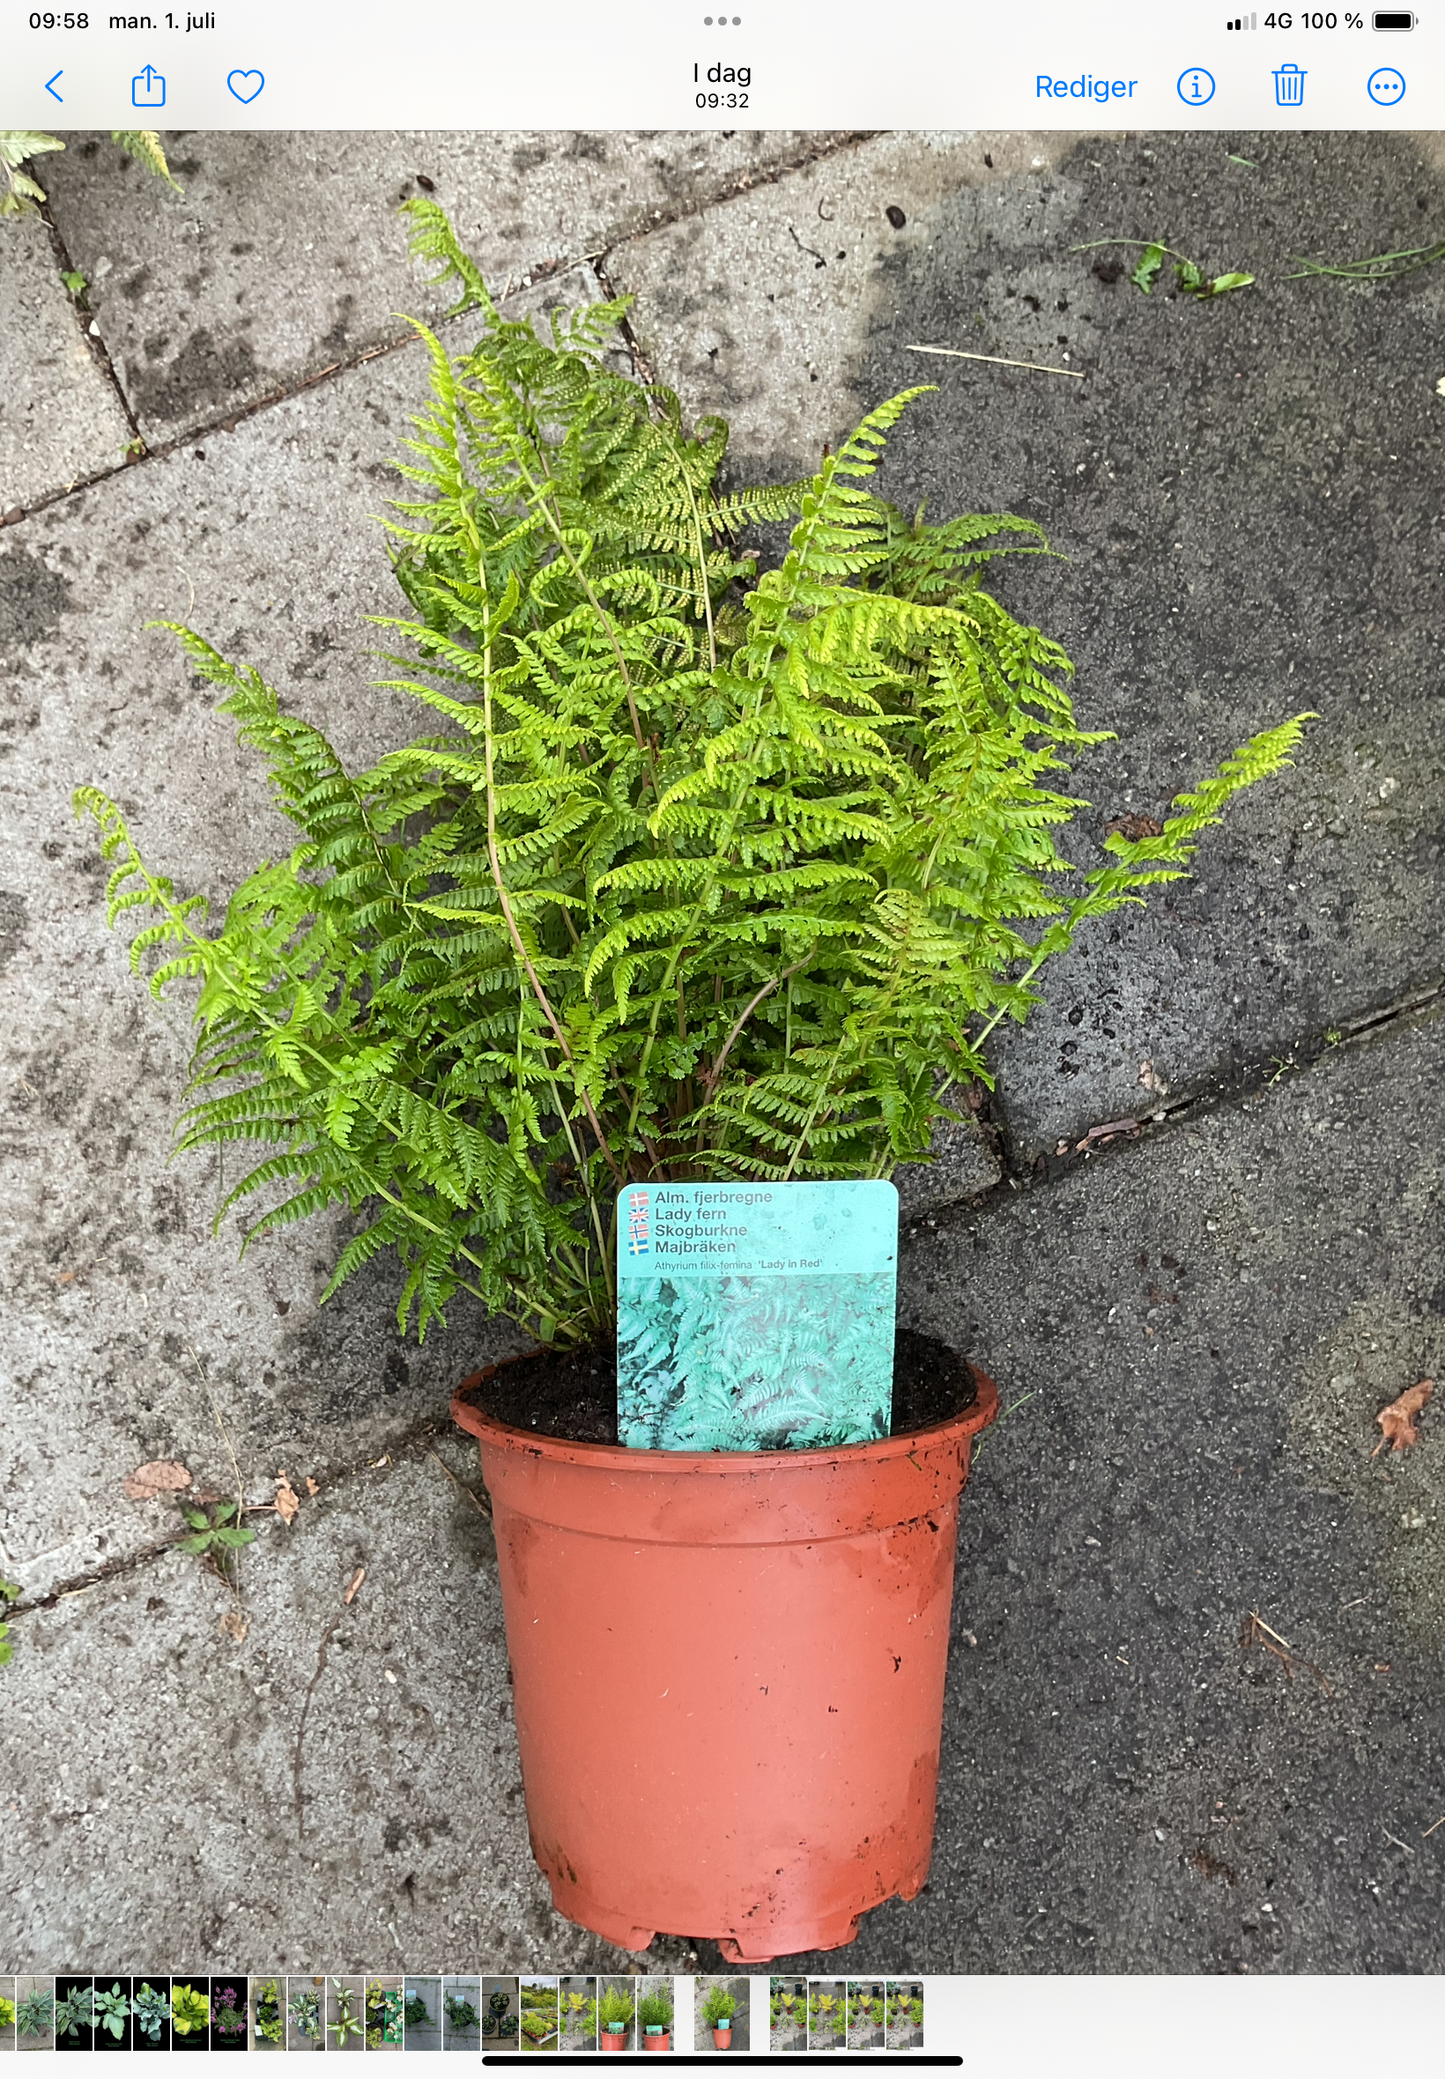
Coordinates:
216	1535
7	2012
538	2023
614	2010
9	1593
305	2010
710	875
22	192
112	2011
496	2021
581	2016
903	2011
190	2010
383	2014
75	2013
229	2019
654	2010
718	2006
347	2023
270	2022
415	2011
825	2014
459	2013
1189	279
151	2010
35	2013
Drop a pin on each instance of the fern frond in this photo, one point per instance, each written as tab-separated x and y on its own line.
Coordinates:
692	873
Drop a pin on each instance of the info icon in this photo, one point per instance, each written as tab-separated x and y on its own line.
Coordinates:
1196	86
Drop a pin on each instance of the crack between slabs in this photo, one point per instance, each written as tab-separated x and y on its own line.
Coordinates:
539	271
1246	1087
413	1444
94	340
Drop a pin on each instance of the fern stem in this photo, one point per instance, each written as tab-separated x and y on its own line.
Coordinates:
714	1075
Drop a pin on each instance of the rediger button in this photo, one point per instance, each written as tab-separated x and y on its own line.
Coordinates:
1084	88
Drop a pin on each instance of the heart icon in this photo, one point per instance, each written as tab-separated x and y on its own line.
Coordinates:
245	85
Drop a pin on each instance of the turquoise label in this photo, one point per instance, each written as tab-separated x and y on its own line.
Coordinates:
755	1317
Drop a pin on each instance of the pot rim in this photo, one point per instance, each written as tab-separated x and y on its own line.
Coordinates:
959	1428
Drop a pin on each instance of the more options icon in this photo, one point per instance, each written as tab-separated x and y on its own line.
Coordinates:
148	89
1196	86
1386	87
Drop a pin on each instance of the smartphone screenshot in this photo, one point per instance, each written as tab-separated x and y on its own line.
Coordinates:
720	915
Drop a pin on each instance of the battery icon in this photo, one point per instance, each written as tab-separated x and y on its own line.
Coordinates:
1393	21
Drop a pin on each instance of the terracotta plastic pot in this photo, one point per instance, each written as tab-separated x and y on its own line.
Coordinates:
773	1773
609	2041
723	2038
659	2040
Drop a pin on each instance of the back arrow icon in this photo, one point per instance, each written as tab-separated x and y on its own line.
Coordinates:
50	85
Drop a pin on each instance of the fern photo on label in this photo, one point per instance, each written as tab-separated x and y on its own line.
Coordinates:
697	872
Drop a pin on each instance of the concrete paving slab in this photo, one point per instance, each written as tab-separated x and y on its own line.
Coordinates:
1291	1268
1195	1338
1250	513
60	418
128	1317
284	255
183	1812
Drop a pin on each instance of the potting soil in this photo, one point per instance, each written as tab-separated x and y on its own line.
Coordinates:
573	1394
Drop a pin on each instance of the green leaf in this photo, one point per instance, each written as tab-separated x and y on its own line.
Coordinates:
1223	283
144	146
235	1537
198	1544
1146	273
18	145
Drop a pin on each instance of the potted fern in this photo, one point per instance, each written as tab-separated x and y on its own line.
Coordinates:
718	2007
654	2018
614	2016
699	876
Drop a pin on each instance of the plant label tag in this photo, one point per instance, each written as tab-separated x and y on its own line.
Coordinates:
755	1317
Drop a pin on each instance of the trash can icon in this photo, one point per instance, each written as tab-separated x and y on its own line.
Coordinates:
1289	86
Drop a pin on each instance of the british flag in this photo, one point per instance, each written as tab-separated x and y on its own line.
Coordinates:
639	1239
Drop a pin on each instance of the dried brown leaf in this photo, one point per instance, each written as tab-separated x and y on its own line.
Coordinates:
287	1500
311	1485
1133	827
158	1476
355	1582
1398	1420
1151	1079
237	1625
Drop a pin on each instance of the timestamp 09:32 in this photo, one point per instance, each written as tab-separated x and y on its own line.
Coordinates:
722	86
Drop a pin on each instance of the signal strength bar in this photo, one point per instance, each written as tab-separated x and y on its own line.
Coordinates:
1243	21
